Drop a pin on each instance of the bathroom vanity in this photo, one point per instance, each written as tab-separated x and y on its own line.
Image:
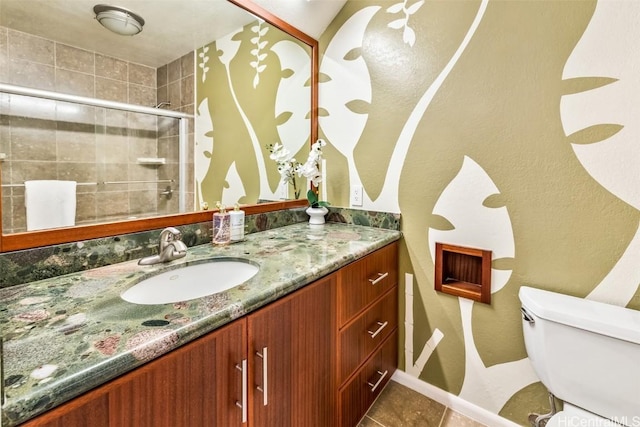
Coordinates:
310	340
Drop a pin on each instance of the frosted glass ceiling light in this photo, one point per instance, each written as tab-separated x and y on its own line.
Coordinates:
118	19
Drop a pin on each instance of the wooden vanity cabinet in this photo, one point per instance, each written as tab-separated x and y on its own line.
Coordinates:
194	385
201	383
292	348
367	306
315	358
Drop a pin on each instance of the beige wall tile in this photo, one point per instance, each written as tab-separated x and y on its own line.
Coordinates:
74	59
142	95
115	172
30	170
85	207
111	68
161	76
142	147
143	202
4	68
186	64
174	71
143	125
111	90
162	95
168	147
173	90
31	74
70	150
4	51
7	214
30	48
80	172
142	75
33	139
112	203
113	149
186	91
75	83
77	114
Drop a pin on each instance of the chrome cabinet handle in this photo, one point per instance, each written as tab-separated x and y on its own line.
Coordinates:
265	376
379	278
382	376
243	405
377	331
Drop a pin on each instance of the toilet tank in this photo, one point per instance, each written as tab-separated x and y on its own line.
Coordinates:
585	352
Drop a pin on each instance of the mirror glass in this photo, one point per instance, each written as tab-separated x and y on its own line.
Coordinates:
237	84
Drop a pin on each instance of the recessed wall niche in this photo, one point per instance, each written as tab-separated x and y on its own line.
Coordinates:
463	272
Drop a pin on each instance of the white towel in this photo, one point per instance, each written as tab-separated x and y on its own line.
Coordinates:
50	204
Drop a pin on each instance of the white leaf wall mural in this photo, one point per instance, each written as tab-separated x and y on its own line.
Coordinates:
259	52
475	225
203	59
408	34
293	96
235	190
229	48
414	366
490	387
613	38
349	81
203	145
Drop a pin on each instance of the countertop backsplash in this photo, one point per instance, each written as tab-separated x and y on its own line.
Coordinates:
30	265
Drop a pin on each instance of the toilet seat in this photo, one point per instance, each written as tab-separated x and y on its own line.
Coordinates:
574	416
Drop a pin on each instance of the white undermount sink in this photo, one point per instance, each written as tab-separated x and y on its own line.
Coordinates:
191	281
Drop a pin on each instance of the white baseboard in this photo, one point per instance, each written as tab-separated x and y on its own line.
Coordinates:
452	401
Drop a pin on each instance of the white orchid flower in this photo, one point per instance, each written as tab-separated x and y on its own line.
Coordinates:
280	153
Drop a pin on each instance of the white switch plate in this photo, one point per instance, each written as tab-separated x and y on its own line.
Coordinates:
356	195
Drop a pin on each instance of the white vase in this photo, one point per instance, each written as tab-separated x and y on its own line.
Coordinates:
316	215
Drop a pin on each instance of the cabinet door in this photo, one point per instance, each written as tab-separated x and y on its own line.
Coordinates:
195	385
291	348
91	409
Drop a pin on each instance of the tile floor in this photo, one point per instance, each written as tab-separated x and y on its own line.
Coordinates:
399	406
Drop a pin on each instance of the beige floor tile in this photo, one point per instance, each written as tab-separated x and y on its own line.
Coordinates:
399	406
368	422
454	419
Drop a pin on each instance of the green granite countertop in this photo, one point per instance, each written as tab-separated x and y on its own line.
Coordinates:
67	335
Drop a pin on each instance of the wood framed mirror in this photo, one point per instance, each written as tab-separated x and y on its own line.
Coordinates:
30	239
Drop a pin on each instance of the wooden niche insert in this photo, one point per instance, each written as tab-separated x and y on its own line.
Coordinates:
463	272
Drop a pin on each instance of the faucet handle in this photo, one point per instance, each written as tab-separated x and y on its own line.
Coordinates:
171	233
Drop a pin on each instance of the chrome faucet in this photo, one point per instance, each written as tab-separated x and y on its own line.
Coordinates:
170	247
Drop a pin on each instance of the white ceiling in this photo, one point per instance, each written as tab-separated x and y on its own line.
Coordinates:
172	27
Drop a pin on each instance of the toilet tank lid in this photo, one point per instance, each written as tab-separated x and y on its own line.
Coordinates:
605	319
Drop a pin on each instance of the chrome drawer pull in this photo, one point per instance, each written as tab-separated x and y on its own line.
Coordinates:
377	331
379	278
243	405
265	364
375	386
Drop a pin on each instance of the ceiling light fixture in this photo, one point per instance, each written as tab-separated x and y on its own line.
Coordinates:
118	19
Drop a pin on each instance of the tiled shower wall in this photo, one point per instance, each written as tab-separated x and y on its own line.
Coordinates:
176	86
54	140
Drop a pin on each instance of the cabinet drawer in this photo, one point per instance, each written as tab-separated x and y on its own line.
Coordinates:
359	338
363	281
357	396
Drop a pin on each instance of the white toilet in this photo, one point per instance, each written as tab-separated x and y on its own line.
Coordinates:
587	354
